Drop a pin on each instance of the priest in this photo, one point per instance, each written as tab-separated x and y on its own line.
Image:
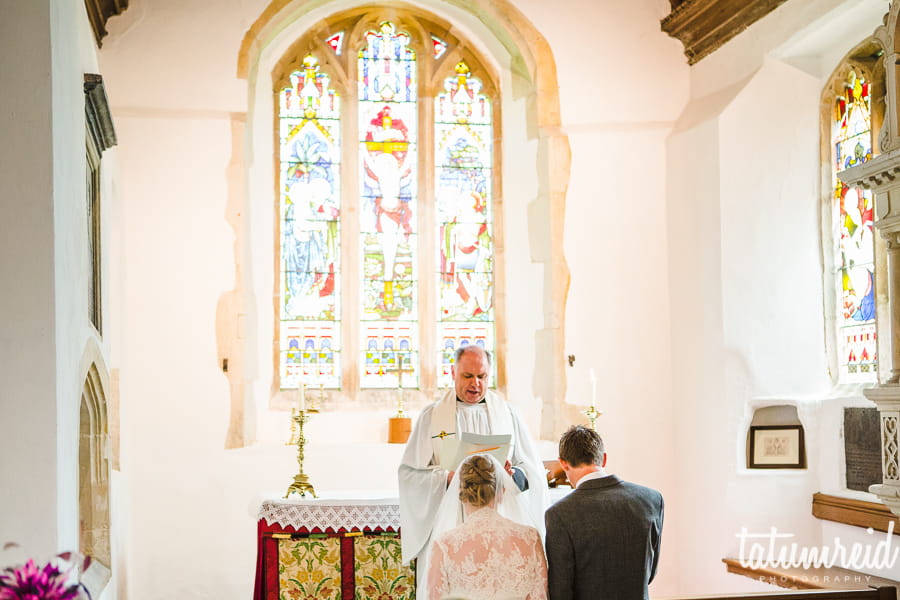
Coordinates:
468	407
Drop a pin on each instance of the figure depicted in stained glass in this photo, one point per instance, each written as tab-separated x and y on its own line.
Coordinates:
466	258
463	172
309	249
309	127
388	183
388	159
856	216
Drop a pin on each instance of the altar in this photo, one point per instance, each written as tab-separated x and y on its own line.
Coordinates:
337	547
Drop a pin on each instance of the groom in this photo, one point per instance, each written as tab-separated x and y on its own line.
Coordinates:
603	538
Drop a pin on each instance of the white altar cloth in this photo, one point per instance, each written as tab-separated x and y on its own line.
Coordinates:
352	508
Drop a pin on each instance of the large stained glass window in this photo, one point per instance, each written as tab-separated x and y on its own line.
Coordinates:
387	265
310	135
463	195
853	220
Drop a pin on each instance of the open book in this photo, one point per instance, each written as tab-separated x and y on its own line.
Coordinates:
453	452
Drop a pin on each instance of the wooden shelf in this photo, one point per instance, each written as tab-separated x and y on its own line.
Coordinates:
834	578
854	512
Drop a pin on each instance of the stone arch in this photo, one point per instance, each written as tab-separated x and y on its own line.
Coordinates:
531	60
93	470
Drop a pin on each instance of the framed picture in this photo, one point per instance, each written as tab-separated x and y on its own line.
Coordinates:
776	447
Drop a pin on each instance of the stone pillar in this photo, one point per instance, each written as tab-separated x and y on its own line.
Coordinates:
888	400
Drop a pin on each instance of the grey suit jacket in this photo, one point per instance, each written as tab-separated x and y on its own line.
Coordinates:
603	541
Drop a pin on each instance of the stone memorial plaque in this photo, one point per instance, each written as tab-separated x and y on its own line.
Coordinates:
862	447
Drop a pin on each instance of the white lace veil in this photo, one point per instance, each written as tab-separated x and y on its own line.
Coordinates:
508	500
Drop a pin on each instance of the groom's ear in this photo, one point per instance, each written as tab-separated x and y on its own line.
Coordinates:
603	464
564	465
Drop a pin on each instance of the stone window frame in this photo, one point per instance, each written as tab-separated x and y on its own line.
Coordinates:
100	135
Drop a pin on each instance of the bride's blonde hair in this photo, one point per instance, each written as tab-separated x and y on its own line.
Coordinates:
477	481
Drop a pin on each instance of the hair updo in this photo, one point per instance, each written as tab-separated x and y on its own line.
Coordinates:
477	481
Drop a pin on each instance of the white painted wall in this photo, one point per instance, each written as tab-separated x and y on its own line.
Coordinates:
28	429
745	272
44	263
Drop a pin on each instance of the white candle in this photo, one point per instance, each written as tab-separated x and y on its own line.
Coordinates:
301	397
400	371
593	376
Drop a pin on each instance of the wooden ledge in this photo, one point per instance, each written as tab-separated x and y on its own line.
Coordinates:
834	578
854	512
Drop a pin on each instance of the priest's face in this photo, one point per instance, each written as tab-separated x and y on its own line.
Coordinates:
470	376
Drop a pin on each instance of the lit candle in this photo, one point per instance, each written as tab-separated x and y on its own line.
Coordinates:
593	376
301	397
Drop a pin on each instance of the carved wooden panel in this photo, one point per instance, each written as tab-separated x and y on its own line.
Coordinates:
703	26
99	12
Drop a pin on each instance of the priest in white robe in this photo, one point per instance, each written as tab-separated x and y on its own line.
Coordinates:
469	407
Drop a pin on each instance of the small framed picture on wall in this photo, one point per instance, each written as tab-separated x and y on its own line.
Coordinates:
776	447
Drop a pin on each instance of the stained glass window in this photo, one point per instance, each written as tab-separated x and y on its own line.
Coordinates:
336	42
463	194
310	136
853	220
380	279
438	45
388	128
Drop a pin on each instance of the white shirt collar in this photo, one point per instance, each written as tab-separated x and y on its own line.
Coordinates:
598	474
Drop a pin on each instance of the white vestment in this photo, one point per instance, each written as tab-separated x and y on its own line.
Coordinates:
422	483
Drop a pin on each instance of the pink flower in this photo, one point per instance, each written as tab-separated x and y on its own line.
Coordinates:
30	582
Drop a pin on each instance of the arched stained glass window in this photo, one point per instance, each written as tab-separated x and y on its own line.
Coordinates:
310	182
463	192
853	221
387	264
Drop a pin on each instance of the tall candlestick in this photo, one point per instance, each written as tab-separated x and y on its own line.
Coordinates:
593	376
301	397
400	413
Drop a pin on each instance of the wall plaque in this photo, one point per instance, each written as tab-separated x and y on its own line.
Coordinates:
862	447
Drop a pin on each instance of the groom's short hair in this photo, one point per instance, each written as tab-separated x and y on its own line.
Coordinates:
580	446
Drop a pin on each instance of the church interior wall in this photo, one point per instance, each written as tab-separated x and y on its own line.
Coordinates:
674	214
28	429
744	165
47	48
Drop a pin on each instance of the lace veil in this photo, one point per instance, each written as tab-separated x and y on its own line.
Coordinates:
509	502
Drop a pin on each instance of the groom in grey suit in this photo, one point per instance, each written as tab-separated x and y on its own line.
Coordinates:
603	538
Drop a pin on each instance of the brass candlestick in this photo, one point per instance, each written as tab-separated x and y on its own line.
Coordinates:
301	483
592	413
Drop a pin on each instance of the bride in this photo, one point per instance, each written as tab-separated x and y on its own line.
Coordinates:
490	555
